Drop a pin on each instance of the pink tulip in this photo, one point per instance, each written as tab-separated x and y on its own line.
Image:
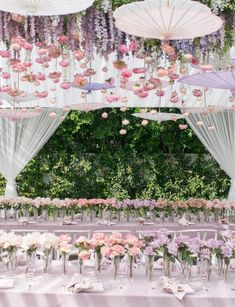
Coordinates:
183	127
65	85
64	63
79	55
162	72
5	54
139	70
6	75
40	60
160	93
41	77
63	39
42	51
123	49
142	94
27	46
126	73
133	46
41	94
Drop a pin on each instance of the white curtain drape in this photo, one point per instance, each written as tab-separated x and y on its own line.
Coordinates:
20	141
219	139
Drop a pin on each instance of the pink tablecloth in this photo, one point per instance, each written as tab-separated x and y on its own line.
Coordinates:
133	227
48	292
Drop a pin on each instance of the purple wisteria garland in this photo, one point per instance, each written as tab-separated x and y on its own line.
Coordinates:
94	31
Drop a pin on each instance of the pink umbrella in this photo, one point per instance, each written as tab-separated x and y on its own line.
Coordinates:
216	79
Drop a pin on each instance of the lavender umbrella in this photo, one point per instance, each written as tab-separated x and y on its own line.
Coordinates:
93	86
216	79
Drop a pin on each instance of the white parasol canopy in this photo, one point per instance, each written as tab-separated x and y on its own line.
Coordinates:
167	19
44	7
159	117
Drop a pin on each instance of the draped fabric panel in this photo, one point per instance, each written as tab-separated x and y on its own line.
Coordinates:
220	142
21	140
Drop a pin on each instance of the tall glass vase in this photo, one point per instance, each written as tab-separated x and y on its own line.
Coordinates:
80	263
130	267
98	259
116	264
12	261
31	259
167	266
65	257
47	260
149	267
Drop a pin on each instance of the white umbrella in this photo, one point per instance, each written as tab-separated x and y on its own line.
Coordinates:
167	20
86	107
44	7
159	117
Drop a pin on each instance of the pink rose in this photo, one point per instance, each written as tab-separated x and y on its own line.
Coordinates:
134	251
118	250
99	236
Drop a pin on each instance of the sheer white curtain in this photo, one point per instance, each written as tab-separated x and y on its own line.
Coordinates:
220	141
20	141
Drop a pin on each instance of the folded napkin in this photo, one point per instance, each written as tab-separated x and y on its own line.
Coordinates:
6	283
106	223
170	285
79	284
184	222
68	221
23	221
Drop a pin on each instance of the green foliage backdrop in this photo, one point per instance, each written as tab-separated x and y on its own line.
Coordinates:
87	157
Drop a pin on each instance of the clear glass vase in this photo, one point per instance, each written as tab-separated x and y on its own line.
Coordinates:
116	265
149	267
31	260
65	258
47	259
167	266
130	267
12	261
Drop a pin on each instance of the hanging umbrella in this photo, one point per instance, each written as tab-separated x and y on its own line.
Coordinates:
166	20
15	114
216	79
94	86
86	107
44	7
17	99
205	110
159	117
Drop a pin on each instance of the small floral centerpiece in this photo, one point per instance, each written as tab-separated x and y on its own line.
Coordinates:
83	245
48	242
30	244
133	248
98	241
64	248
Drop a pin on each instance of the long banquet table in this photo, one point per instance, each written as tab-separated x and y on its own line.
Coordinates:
131	226
50	292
